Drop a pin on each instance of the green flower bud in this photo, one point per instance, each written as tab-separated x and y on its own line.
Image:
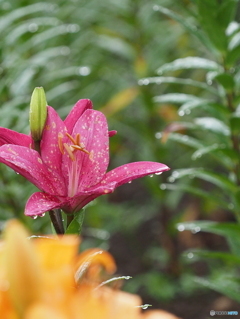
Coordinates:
38	113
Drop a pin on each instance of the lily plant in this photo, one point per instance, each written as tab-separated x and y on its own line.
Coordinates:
69	166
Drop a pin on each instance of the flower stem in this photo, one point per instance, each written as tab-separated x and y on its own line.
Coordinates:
56	218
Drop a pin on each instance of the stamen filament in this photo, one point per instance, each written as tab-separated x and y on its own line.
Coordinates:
69	151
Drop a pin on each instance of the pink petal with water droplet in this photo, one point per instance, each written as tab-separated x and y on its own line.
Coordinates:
50	152
40	203
79	108
93	130
28	163
131	171
11	137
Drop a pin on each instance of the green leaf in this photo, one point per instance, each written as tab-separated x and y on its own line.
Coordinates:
218	110
177	98
75	227
169	79
190	63
211	197
226	80
185	23
212	124
228	230
219	180
186	140
214	17
226	284
199	254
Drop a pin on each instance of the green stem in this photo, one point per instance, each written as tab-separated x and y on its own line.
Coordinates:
56	218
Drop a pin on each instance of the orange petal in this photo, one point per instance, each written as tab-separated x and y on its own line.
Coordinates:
22	267
157	314
41	311
95	259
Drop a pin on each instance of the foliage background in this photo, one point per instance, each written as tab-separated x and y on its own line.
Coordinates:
107	51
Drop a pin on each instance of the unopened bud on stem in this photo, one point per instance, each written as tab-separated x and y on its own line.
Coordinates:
38	113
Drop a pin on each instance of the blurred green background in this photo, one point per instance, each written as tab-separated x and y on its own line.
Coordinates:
109	51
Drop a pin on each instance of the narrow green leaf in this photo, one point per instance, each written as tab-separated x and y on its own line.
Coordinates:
220	181
199	254
186	140
228	230
184	22
177	98
169	79
211	197
227	285
190	63
212	124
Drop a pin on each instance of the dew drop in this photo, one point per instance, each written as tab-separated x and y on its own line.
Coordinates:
181	227
158	135
175	174
151	175
181	113
171	179
32	27
35	217
187	111
42	215
84	70
190	255
129	182
145	306
143	82
196	230
158	173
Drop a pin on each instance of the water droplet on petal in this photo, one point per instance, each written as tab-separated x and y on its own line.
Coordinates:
158	173
42	215
35	217
129	182
151	175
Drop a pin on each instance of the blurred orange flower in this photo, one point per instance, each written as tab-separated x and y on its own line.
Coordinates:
47	278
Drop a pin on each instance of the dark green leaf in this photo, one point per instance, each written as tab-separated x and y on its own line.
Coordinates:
75	226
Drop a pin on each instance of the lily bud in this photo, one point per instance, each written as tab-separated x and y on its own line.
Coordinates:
38	113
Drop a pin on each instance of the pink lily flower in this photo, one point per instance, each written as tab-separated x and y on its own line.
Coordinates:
70	169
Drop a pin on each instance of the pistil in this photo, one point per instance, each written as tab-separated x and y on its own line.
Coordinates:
74	168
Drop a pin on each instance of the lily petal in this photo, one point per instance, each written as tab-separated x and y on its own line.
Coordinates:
131	171
40	203
93	130
79	108
50	152
83	198
28	163
11	137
